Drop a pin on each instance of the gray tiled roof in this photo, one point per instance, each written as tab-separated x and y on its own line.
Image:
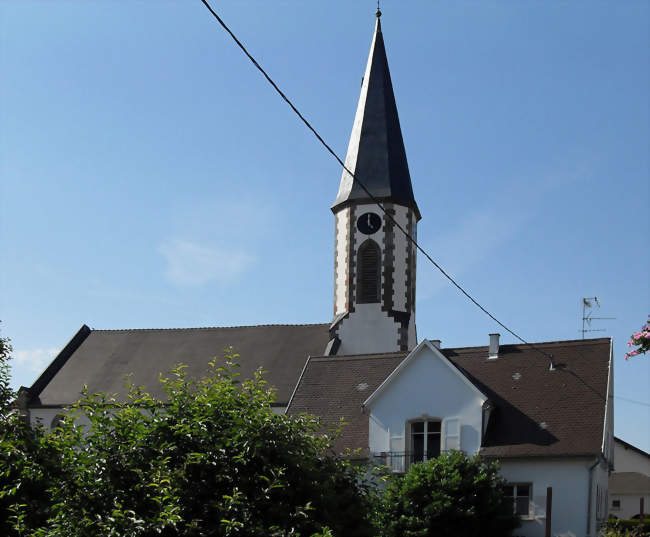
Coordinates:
537	412
102	358
376	153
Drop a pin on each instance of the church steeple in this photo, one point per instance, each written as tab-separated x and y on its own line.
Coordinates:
376	152
374	263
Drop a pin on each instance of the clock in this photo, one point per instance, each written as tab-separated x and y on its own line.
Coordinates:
369	223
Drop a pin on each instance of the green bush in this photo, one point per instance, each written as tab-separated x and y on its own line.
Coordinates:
450	496
626	528
210	460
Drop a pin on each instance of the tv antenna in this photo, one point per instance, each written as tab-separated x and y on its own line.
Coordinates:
589	305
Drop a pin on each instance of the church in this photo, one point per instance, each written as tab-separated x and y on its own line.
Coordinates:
404	399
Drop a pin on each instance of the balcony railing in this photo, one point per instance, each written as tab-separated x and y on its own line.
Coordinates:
399	461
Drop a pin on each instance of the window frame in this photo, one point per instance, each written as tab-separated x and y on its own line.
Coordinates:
529	514
425	433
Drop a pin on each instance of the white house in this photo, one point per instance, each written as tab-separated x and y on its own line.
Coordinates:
547	427
629	485
545	411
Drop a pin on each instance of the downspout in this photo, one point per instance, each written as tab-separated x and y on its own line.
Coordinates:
590	494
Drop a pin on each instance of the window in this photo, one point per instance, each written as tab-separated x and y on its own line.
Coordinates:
56	421
425	440
520	496
368	273
616	505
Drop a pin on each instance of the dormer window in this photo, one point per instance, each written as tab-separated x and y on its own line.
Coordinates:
368	273
425	440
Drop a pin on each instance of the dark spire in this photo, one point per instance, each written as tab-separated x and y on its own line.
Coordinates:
376	152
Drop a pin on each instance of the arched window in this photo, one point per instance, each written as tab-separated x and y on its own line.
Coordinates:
56	421
368	272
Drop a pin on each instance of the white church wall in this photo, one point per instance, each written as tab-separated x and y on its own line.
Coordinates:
341	254
427	388
569	479
369	327
43	416
400	256
368	330
359	238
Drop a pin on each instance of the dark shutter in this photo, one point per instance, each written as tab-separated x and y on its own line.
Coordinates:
369	273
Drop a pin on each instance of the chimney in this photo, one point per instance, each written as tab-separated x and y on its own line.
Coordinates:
435	343
493	352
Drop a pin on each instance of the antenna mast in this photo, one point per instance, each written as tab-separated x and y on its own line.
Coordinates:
588	305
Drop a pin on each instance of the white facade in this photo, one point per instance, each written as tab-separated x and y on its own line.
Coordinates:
627	459
573	492
627	490
426	386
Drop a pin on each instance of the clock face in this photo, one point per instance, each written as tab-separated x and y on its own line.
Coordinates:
369	223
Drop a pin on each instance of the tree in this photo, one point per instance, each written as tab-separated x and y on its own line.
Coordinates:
640	339
211	460
27	465
449	496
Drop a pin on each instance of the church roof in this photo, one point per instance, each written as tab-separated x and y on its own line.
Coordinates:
102	358
376	153
537	412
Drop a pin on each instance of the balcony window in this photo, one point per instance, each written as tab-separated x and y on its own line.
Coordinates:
425	440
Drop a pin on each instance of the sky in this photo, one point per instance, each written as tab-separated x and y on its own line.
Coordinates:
150	178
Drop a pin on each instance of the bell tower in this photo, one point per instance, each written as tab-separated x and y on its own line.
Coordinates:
374	263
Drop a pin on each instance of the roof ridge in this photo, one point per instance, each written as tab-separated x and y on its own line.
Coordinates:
367	356
201	327
571	342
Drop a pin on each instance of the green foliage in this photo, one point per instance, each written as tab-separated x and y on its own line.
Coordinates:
626	528
450	496
211	460
27	465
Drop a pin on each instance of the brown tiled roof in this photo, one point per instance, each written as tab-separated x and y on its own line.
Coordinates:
334	388
537	412
102	358
541	412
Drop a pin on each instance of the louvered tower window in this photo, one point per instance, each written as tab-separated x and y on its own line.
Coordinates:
368	273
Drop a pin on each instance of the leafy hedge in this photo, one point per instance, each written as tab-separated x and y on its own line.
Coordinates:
627	528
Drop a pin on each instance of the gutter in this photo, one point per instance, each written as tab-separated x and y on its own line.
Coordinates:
590	494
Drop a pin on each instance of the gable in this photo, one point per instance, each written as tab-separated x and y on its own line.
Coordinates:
425	369
426	386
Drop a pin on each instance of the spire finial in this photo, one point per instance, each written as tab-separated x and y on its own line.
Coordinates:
378	10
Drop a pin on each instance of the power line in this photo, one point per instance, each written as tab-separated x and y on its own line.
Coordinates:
632	400
363	187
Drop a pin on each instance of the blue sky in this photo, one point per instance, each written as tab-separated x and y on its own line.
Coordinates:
150	178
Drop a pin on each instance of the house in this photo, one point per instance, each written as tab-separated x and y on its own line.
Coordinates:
544	410
629	484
